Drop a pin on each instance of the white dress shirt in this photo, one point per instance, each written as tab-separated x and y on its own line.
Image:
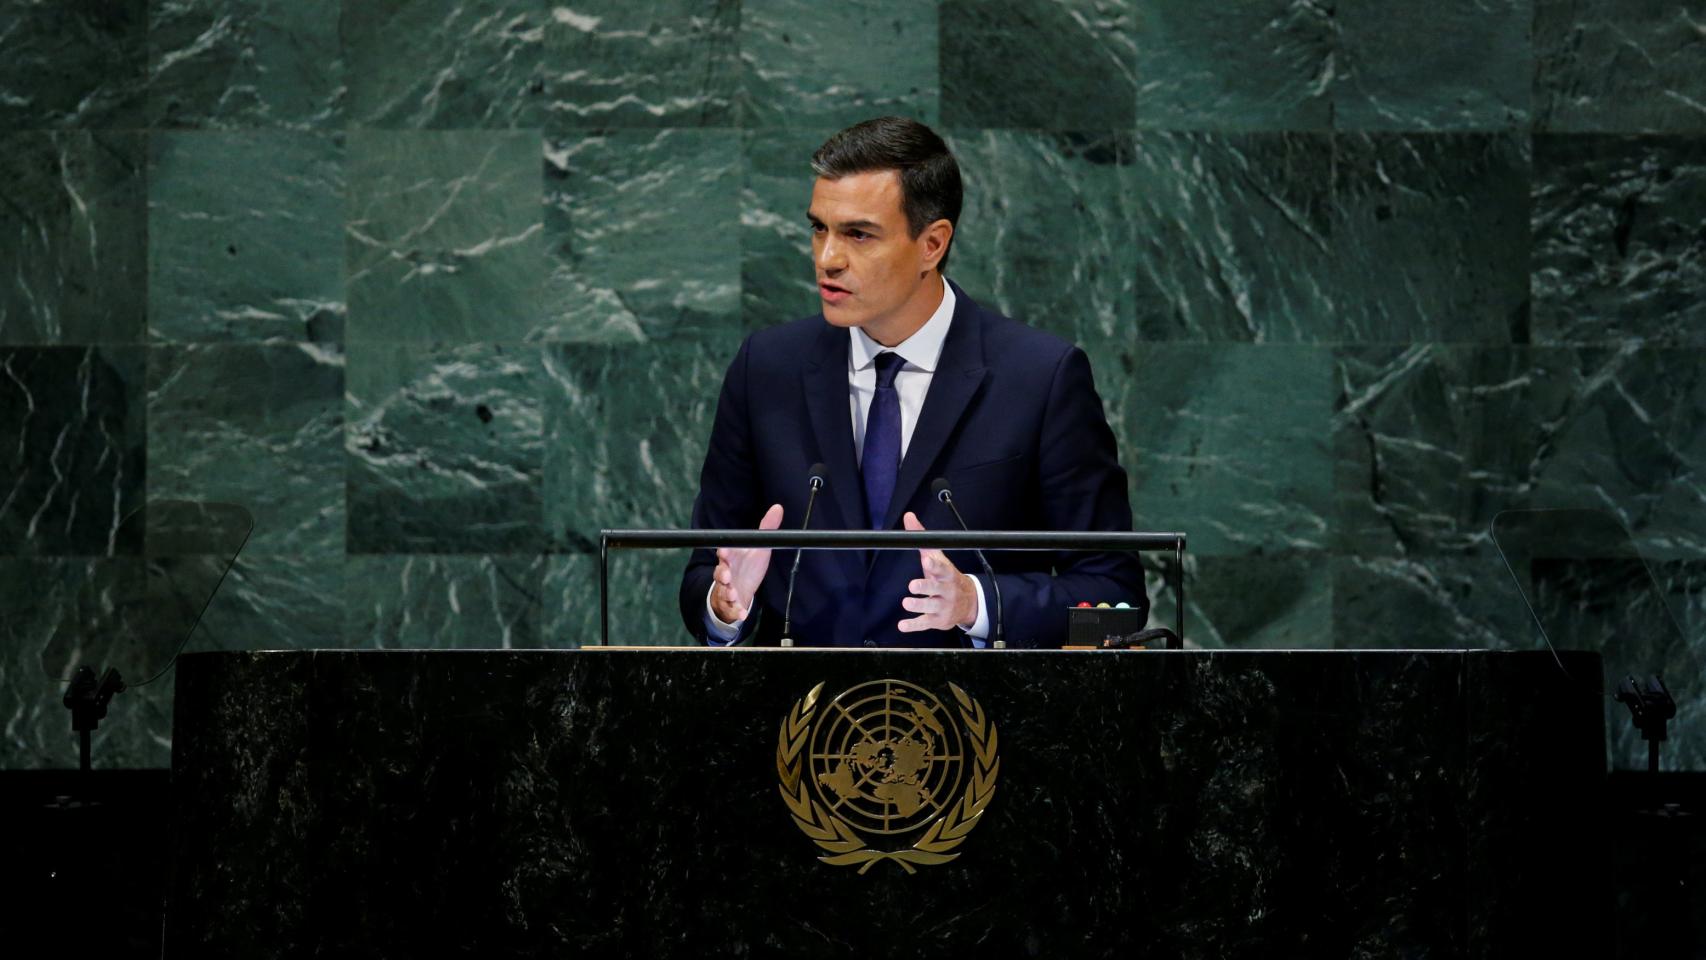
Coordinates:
921	352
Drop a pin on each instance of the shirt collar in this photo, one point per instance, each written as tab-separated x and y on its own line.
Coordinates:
922	350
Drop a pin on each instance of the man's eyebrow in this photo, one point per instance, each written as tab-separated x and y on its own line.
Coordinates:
867	225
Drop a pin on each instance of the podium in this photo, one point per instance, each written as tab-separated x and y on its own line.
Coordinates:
828	803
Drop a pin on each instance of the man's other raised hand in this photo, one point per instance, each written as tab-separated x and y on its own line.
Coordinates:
739	572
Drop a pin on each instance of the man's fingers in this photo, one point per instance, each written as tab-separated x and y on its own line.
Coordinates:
772	518
936	565
910	521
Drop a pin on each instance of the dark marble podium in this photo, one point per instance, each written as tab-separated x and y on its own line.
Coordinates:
627	804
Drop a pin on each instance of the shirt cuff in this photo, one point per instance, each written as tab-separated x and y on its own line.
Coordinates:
718	633
979	630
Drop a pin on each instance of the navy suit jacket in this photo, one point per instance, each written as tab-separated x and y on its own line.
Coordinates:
1011	419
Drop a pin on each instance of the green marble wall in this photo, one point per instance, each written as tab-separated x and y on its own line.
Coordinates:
438	290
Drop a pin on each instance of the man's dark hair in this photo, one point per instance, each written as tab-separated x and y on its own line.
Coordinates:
930	187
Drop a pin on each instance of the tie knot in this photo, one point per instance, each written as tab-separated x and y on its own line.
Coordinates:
888	364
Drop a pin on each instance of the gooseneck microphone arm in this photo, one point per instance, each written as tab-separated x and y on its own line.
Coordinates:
815	478
939	486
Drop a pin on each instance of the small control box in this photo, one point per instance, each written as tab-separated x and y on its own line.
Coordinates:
1105	626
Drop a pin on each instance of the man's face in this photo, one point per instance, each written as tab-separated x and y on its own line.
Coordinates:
871	272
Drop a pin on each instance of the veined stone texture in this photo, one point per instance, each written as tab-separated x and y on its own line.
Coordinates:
643	63
436	292
441	603
800	66
1619	227
239	252
279	411
1447	65
1050	64
245	63
777	281
466	64
442	237
72	452
1234	237
1225	443
619	204
1619	66
445	448
72	65
625	433
1047	233
73	237
1253	65
1430	238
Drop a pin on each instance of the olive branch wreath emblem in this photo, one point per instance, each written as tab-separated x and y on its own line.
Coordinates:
843	847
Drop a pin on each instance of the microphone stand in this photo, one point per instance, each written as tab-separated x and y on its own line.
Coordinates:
816	481
946	495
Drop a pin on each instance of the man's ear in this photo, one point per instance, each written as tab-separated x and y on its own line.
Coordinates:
935	238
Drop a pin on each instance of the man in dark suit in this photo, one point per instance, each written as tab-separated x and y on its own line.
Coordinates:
902	379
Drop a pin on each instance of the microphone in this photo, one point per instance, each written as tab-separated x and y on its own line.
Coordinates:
939	487
816	477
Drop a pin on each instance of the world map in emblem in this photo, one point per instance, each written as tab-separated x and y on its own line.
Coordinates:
887	757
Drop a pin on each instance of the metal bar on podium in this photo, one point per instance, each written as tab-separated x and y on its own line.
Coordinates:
1117	541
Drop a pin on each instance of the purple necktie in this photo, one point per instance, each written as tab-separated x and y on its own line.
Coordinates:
881	460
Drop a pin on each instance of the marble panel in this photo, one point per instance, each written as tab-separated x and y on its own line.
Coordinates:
1448	65
445	449
443	603
71	450
1234	237
644	591
776	278
275	601
808	64
463	65
1265	65
638	227
1619	66
1460	599
1051	65
443	240
245	237
1430	441
1225	443
257	426
73	236
1046	235
626	430
59	611
1430	236
1259	601
245	63
645	63
72	64
1619	228
1632	442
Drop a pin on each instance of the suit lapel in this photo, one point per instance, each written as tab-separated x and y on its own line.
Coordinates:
824	383
960	373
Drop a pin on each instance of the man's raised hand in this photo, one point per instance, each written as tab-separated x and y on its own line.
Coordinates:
739	572
944	598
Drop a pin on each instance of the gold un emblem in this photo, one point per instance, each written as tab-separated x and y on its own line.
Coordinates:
887	762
